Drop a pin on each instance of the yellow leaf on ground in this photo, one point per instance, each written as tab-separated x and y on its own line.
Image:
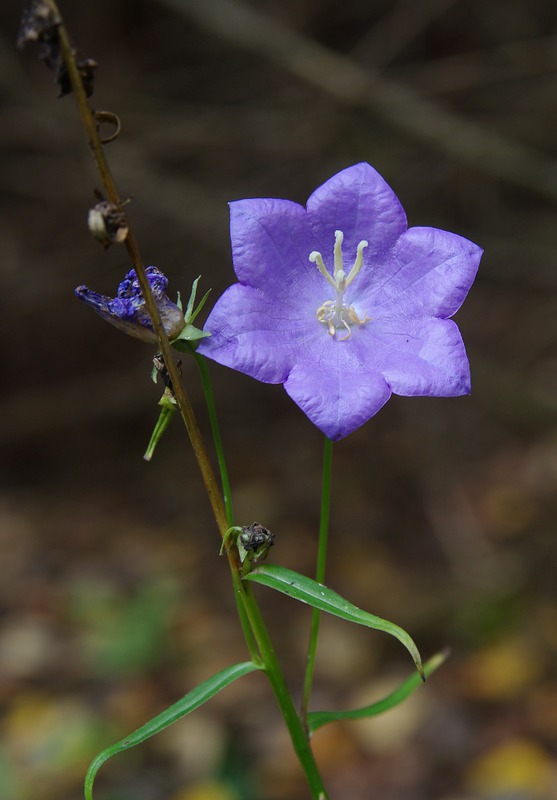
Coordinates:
517	767
208	790
502	670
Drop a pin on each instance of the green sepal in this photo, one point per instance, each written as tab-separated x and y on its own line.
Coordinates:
189	332
169	406
234	530
319	596
192	313
205	691
316	719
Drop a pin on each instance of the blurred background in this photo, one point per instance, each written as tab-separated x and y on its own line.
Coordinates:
114	601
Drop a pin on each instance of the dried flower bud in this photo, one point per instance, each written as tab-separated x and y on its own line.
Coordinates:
85	68
39	23
160	370
108	223
255	536
254	542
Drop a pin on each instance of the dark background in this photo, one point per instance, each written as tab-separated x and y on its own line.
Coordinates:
114	600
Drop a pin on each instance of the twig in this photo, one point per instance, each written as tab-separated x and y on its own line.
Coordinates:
507	62
396	29
186	410
350	85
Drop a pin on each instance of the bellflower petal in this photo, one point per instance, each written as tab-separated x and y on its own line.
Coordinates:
270	248
249	336
428	271
360	203
421	357
337	397
343	304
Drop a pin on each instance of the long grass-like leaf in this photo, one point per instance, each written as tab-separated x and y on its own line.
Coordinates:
188	703
316	719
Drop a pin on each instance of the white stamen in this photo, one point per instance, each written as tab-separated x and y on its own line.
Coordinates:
358	262
316	258
335	314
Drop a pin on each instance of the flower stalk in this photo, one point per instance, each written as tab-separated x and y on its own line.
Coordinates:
319	573
255	631
217	440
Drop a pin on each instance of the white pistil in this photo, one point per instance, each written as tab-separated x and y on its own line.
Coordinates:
337	251
335	313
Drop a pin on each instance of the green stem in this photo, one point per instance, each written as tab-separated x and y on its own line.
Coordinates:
227	495
255	630
319	573
298	733
215	430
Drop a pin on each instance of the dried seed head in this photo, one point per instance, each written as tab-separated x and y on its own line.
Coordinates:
39	23
255	536
85	68
108	223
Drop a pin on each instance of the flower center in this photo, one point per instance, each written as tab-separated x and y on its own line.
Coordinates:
335	314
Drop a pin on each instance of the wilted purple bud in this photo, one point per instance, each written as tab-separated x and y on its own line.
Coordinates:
128	310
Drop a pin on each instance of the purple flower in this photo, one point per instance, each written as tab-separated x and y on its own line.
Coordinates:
342	303
128	310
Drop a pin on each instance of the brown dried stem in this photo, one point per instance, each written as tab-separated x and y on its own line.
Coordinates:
186	410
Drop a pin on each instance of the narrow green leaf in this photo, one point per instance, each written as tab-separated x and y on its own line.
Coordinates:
319	596
188	703
316	719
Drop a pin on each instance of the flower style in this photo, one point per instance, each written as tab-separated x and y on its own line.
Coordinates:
128	310
343	303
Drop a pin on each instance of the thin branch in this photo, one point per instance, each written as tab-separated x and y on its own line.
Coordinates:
510	61
183	401
403	23
352	86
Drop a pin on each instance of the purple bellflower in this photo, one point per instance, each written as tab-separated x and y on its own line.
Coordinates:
343	303
128	310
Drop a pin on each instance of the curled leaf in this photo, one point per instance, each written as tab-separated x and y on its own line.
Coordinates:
319	596
316	719
187	704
